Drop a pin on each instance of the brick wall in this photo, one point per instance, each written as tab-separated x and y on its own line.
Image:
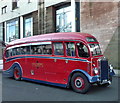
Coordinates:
101	20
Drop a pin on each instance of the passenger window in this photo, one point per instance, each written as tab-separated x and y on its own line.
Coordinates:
18	51
14	52
58	48
82	50
70	49
34	49
42	49
8	53
25	50
47	49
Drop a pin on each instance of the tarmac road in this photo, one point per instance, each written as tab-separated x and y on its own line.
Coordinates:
28	91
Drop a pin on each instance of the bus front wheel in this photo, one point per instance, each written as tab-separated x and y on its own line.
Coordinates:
80	83
16	74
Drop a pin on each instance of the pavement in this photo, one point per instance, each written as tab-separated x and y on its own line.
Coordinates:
1	65
117	72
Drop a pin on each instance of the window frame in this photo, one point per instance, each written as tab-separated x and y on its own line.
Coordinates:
29	45
31	25
4	10
77	54
29	1
15	4
66	48
12	23
2	31
62	45
39	48
58	7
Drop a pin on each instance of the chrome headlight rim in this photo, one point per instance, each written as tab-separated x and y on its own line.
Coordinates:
111	67
96	71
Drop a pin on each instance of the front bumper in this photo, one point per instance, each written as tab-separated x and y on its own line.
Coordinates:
97	78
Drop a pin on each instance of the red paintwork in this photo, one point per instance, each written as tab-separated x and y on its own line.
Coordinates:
53	36
56	72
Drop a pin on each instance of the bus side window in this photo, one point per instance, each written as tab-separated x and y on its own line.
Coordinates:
41	49
18	51
82	50
34	49
14	51
7	54
70	49
47	49
58	48
25	50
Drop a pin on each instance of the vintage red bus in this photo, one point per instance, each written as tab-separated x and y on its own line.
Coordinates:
61	59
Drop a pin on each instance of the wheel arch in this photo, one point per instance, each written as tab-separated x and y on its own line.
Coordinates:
78	71
15	65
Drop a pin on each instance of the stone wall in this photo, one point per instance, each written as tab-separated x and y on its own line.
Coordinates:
35	23
101	20
50	19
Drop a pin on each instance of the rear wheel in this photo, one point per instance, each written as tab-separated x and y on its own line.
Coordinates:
17	75
79	83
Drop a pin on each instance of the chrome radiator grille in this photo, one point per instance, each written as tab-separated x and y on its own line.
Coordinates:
104	69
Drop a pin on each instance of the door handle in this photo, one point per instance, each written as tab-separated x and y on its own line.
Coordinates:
66	61
55	60
36	61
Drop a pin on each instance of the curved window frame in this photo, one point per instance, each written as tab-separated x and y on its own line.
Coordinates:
89	54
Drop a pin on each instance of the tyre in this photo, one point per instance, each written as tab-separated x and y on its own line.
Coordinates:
80	83
16	74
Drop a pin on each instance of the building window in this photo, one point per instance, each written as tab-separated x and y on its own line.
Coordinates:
28	27
63	19
29	1
12	30
15	4
4	9
1	32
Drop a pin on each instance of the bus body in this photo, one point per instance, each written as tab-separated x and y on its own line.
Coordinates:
61	59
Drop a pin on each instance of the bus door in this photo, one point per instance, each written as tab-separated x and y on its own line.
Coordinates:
55	71
37	66
83	54
42	61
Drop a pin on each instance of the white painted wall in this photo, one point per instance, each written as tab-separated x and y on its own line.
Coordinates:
53	2
24	8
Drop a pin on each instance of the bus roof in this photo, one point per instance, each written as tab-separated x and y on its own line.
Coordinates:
53	37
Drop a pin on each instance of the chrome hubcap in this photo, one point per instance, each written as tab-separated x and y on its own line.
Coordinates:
78	83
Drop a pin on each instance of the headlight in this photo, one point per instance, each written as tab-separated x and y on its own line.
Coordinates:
111	67
95	70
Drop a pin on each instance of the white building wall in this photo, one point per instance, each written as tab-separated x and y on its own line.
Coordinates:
24	8
53	2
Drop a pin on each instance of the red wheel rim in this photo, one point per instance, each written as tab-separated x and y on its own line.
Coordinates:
79	83
16	73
